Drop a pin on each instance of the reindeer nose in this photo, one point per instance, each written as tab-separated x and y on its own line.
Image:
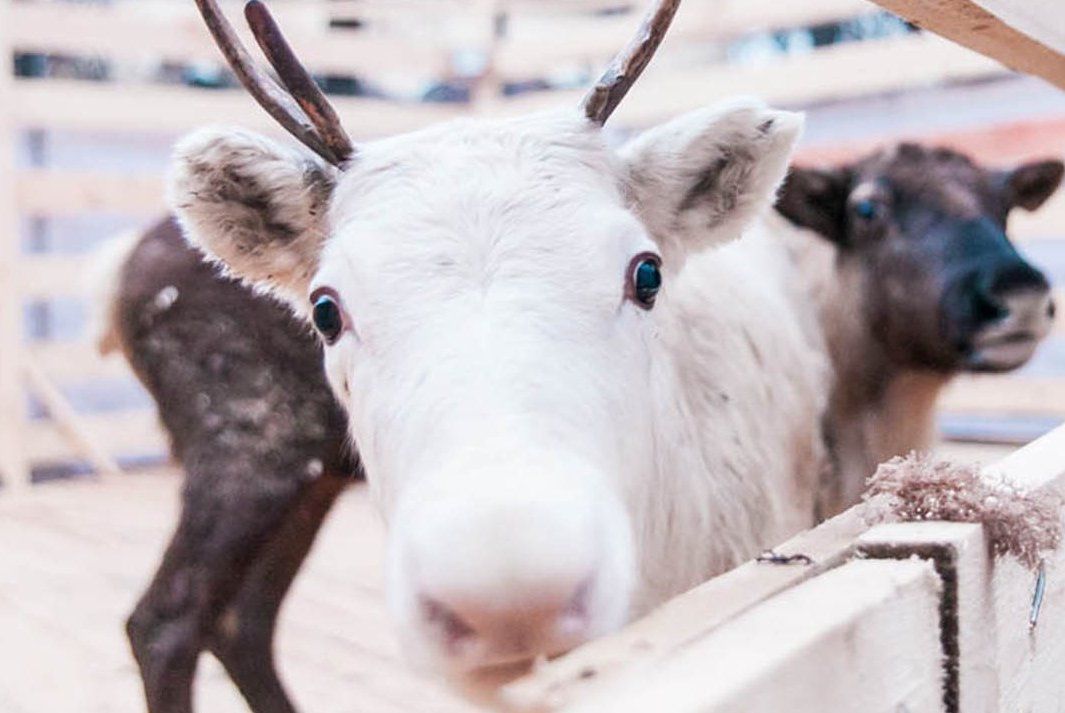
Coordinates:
480	632
1010	287
1017	276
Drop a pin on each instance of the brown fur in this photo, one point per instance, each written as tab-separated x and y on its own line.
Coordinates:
876	410
888	289
239	386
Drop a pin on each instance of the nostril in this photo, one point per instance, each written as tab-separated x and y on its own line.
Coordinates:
454	631
475	630
574	618
987	309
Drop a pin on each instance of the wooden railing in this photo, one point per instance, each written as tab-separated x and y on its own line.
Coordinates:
401	40
915	616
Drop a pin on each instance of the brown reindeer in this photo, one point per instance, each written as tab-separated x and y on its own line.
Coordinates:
915	281
240	390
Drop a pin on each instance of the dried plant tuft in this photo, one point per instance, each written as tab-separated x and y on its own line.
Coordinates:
917	488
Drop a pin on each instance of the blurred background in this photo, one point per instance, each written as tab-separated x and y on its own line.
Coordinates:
94	93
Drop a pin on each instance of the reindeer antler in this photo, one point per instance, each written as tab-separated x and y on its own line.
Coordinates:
627	66
303	109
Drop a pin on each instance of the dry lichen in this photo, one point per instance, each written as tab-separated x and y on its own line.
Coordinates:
917	488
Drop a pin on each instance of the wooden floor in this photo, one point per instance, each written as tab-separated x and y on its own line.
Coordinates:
74	556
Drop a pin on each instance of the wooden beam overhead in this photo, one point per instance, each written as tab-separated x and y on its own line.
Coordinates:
1025	35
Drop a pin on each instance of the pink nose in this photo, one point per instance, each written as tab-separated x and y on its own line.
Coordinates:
478	632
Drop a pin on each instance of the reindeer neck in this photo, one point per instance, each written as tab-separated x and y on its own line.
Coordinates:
737	437
876	410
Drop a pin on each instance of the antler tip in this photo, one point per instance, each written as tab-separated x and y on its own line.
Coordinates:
253	7
627	66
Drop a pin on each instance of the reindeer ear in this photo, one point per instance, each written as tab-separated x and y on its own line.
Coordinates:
1029	186
700	179
816	199
252	205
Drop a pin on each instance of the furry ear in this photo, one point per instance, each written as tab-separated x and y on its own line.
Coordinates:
816	199
700	179
252	205
1029	186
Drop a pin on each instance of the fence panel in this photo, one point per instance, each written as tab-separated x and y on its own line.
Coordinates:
13	468
863	637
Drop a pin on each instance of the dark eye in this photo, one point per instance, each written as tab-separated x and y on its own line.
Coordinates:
644	279
866	209
326	314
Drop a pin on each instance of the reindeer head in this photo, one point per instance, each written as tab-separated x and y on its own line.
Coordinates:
488	293
944	289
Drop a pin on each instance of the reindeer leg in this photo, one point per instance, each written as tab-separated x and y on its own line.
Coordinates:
230	511
243	635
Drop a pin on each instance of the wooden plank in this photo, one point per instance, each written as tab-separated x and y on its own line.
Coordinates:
973	24
1037	465
161	109
412	38
843	70
1042	20
593	39
171	31
59	193
14	473
50	276
687	618
69	423
863	637
71	362
1010	664
1005	395
122	433
959	552
1001	144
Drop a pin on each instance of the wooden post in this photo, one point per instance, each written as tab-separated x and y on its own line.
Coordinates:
13	467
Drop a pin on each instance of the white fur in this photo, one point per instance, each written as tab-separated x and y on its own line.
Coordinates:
744	157
522	424
261	206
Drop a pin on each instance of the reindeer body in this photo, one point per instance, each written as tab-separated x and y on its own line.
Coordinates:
263	445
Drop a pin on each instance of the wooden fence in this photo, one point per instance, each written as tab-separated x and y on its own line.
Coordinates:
914	617
399	46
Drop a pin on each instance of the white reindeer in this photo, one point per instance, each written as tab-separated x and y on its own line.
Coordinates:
575	390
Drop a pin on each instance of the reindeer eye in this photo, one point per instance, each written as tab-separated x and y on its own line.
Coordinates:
866	209
644	279
326	314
